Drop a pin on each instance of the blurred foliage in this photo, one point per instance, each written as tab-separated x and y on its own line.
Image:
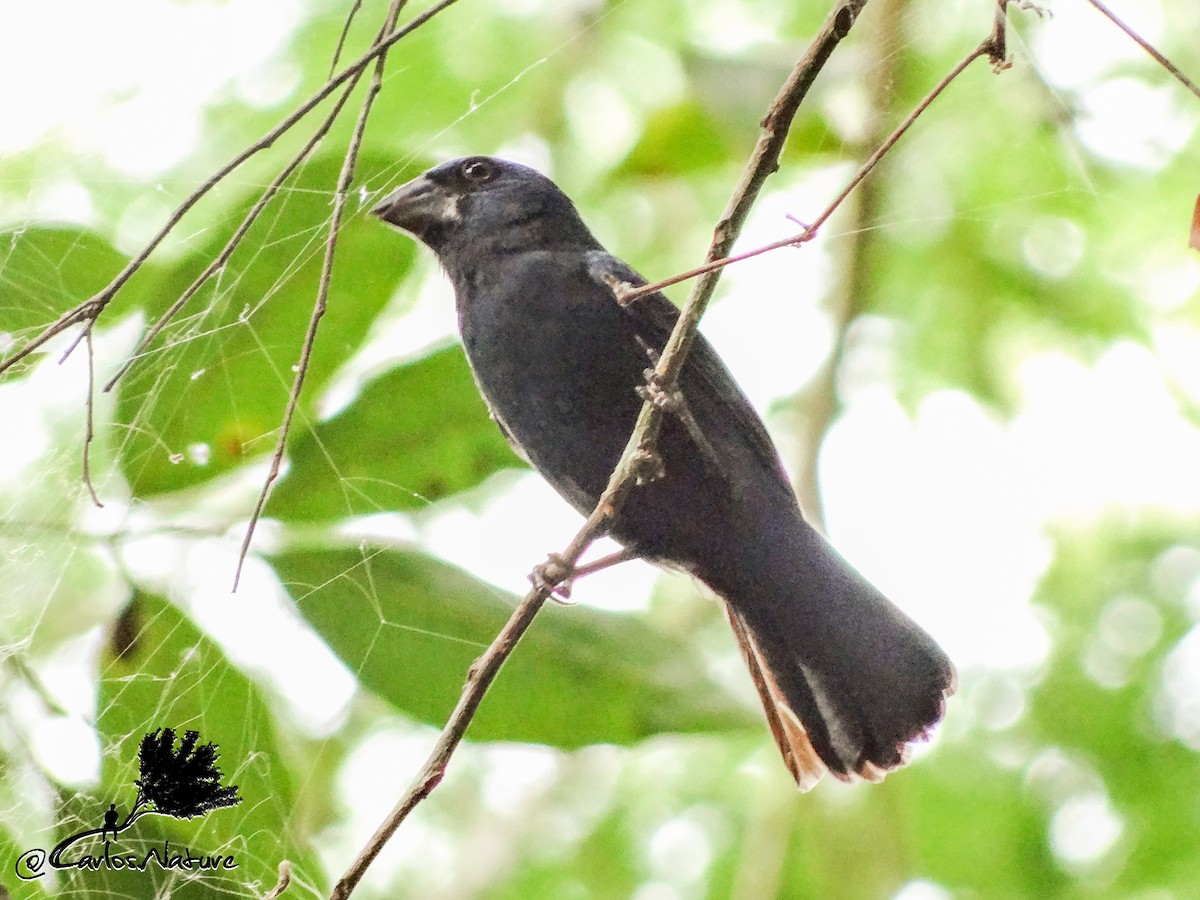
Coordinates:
999	229
386	452
165	667
184	431
388	615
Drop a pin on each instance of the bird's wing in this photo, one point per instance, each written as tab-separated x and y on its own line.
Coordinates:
708	382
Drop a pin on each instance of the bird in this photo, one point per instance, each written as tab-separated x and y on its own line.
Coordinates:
848	682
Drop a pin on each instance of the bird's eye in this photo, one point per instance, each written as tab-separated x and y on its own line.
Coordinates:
478	171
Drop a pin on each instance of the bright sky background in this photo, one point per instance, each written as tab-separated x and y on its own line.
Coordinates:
945	510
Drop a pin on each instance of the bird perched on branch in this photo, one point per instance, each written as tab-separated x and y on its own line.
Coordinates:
847	680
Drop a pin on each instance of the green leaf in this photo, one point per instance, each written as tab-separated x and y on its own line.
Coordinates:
681	138
163	673
212	390
45	271
410	626
415	434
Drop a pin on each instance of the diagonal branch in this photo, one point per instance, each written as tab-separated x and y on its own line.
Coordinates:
335	221
821	393
89	433
235	241
638	452
1148	47
355	8
986	48
90	309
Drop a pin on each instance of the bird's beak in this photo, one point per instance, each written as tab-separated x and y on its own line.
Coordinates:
417	207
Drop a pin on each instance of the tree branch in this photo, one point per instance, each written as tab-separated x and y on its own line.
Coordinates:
638	454
818	400
90	309
986	48
235	241
89	432
355	8
346	175
1145	45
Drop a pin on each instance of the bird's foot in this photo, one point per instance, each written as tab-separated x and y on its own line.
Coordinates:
605	269
554	576
653	390
647	466
675	403
621	289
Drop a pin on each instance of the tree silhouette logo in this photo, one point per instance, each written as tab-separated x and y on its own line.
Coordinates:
183	783
177	778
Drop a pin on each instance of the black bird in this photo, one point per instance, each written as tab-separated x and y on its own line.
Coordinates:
847	679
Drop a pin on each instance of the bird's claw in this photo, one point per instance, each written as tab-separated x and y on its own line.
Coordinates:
1029	6
647	467
670	401
621	289
554	577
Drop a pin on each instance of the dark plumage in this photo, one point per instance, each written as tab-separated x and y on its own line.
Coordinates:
847	680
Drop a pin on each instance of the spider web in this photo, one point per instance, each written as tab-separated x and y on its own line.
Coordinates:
91	662
98	656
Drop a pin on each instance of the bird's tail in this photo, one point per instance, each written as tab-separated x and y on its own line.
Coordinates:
847	680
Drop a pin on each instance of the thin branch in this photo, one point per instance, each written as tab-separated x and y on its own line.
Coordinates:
984	49
89	430
346	175
1145	45
561	591
341	42
479	678
88	310
638	456
285	879
818	401
91	308
235	241
599	565
764	162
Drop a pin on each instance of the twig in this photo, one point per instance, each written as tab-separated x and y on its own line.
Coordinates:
561	591
335	221
638	452
91	308
89	429
285	879
341	42
1148	47
479	678
994	47
819	399
235	241
987	48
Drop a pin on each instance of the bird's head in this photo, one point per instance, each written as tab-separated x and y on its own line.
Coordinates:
482	200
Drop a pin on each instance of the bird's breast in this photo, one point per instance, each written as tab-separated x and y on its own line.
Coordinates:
558	365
